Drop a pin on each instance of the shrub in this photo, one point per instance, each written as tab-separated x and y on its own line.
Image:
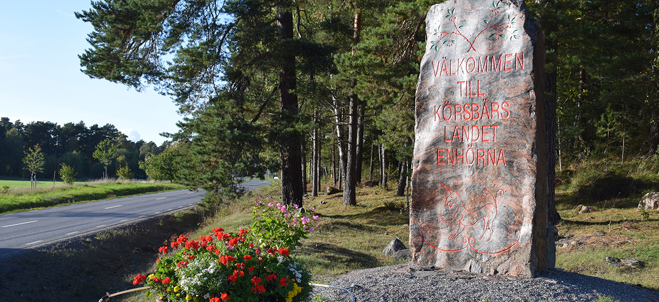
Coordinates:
253	265
67	174
125	173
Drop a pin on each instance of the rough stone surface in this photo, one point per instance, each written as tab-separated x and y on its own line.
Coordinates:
332	190
404	255
649	202
479	181
585	209
393	247
631	262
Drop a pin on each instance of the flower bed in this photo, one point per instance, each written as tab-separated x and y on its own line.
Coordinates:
253	265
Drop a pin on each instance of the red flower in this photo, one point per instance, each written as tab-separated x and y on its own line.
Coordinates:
190	257
270	277
218	230
224	297
283	251
233	242
226	259
240	265
226	236
251	245
258	288
182	264
241	232
272	251
247	257
251	268
166	280
163	249
156	280
256	280
233	278
192	245
215	299
284	282
139	279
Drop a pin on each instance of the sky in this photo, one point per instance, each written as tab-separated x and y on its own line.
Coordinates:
40	77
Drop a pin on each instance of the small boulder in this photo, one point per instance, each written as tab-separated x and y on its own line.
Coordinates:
393	247
649	202
585	209
332	190
404	255
631	262
370	184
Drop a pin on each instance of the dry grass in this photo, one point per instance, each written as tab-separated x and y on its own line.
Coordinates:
616	233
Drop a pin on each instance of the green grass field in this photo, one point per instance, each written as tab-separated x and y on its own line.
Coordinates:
17	184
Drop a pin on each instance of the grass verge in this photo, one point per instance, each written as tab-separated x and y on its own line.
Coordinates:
25	199
347	238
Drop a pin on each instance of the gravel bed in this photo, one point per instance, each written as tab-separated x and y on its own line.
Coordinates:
404	283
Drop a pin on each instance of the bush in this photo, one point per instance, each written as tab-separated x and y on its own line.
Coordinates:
125	173
67	174
252	265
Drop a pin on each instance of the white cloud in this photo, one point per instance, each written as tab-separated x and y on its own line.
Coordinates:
132	134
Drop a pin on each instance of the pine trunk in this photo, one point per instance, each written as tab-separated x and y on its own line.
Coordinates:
303	159
315	156
338	113
360	143
383	167
402	173
291	178
350	181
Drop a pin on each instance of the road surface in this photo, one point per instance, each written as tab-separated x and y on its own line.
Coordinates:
25	230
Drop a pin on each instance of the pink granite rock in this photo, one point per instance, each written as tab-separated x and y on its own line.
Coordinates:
479	180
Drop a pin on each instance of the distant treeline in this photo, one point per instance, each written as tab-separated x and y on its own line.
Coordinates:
72	144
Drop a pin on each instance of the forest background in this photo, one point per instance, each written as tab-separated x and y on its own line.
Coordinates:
324	88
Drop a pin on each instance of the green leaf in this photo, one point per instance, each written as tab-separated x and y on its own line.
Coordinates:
503	36
445	42
485	21
461	26
492	35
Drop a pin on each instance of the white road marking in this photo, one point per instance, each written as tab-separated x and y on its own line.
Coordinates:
11	225
156	213
169	209
161	198
124	220
112	207
100	226
33	243
72	233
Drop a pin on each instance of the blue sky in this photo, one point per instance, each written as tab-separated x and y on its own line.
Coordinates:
40	77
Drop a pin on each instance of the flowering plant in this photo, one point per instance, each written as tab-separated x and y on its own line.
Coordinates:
253	265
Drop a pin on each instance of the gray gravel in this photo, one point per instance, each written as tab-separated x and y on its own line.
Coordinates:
403	283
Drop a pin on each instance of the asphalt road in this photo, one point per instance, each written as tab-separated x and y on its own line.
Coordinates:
25	230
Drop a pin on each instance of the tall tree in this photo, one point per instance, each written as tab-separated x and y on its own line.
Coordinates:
215	46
